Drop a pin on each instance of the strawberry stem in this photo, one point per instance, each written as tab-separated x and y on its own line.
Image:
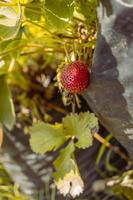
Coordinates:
67	54
77	101
73	107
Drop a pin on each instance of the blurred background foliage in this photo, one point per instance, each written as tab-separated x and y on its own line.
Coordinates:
35	37
8	190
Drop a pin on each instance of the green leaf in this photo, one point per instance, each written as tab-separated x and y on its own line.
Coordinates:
64	163
46	137
88	9
7	115
58	13
7	44
10	22
81	126
33	10
12	48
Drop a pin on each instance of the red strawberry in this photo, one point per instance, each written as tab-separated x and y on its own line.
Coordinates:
75	77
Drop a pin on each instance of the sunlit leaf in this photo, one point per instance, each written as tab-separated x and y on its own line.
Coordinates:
10	22
8	16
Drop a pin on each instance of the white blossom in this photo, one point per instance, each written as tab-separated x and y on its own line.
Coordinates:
71	184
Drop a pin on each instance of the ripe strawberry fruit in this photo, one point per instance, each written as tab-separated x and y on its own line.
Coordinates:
75	77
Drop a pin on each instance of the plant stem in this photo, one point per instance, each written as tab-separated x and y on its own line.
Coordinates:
73	107
67	54
55	36
77	101
113	148
56	108
6	53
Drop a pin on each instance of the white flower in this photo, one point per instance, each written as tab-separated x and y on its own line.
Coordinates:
71	184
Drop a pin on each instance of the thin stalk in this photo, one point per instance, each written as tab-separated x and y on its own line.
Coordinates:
54	35
56	108
73	107
77	100
67	54
6	53
53	193
111	147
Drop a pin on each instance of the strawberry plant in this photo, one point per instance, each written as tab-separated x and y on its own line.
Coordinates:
44	44
75	131
36	37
